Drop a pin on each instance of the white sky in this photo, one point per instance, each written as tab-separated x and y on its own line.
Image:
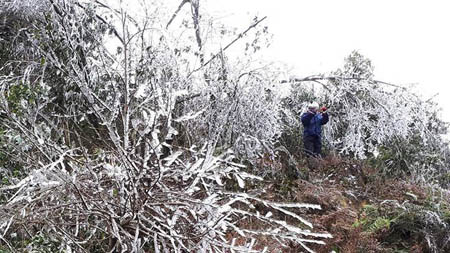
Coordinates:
408	41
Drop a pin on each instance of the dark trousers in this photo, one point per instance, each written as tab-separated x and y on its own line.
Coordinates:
313	145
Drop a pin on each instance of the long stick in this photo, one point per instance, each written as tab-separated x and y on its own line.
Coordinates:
229	44
319	78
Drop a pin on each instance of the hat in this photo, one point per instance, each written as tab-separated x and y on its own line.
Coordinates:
313	105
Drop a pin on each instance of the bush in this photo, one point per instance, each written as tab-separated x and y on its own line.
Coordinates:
409	226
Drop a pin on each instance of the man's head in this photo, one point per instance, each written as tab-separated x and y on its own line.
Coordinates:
314	106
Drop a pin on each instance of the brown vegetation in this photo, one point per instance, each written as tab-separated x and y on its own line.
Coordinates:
363	211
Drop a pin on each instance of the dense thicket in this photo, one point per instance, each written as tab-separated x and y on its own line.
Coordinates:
395	129
117	136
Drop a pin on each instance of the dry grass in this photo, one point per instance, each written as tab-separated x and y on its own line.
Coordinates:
342	188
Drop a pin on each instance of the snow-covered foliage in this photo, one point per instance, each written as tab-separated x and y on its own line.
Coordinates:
25	8
366	113
371	119
181	205
240	111
100	116
370	113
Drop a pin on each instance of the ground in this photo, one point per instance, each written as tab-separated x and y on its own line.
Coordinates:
363	210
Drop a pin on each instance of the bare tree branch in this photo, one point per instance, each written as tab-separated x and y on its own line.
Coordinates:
229	44
176	12
334	78
195	5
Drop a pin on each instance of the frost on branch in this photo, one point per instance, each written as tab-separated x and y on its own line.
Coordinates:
366	114
24	8
387	123
181	207
92	118
241	109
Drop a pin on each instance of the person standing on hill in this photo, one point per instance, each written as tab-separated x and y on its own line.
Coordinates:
312	121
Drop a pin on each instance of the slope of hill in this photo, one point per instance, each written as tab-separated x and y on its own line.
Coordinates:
364	211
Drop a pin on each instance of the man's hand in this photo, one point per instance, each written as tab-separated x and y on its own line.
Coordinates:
323	109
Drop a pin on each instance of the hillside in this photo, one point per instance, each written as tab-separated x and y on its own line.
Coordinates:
364	211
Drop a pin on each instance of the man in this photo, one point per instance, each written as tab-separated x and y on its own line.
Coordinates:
312	121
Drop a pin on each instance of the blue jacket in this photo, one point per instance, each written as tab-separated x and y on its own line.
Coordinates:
312	123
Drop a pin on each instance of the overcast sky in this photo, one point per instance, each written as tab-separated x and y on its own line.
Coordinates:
408	41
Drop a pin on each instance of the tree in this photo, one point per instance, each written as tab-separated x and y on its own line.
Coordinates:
369	116
93	113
